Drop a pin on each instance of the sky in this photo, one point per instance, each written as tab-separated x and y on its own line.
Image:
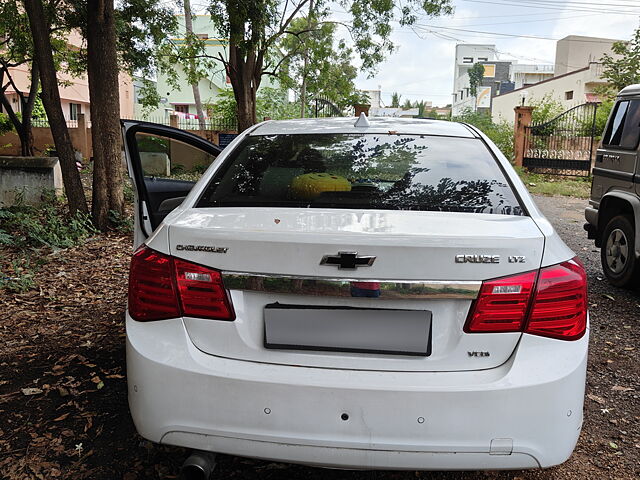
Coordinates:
422	67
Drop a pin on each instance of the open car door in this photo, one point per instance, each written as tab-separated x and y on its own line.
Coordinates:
164	164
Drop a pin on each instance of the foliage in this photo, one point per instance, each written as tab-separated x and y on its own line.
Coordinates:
121	222
500	133
545	109
28	229
46	225
624	69
271	102
19	276
5	123
476	74
407	104
395	100
539	184
38	110
315	59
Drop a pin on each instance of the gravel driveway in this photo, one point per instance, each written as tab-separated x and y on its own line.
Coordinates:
66	341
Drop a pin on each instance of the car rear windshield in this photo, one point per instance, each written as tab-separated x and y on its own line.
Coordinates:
370	171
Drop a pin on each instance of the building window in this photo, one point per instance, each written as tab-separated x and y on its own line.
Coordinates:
489	71
202	36
467	59
483	59
181	108
568	95
75	109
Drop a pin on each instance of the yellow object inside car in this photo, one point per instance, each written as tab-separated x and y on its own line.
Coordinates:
310	185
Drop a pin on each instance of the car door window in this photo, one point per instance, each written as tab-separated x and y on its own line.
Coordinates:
168	158
166	164
623	130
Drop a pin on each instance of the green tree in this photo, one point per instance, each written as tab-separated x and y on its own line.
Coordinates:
407	104
395	100
625	69
271	103
16	49
476	74
116	39
316	64
255	28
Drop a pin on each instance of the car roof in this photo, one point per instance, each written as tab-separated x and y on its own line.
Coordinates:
630	90
376	125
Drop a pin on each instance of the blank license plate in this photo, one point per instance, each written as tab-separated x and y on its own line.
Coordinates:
299	327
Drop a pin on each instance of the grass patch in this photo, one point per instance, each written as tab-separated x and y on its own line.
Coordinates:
549	185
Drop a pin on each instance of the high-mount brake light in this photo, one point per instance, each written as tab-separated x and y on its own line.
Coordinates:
163	287
551	302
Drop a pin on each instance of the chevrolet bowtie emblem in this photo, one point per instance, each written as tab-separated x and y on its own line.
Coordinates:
348	260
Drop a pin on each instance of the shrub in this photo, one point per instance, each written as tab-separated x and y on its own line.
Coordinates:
500	133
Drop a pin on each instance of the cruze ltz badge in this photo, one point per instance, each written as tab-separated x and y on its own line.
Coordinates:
489	259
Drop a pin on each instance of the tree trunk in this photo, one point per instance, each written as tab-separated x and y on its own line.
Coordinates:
26	145
188	23
245	71
21	124
43	54
102	67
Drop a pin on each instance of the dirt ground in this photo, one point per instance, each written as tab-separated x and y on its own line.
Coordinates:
63	400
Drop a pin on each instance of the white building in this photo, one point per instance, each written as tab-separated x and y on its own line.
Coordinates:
575	52
524	75
577	74
467	55
570	90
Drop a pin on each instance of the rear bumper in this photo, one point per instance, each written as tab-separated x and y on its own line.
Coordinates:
526	413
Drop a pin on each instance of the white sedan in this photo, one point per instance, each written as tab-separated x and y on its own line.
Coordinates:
370	294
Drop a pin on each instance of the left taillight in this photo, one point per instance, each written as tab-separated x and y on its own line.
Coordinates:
163	287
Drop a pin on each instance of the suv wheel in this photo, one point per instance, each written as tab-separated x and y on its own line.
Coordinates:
617	254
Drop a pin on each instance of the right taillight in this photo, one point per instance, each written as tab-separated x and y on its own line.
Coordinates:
551	302
560	303
163	287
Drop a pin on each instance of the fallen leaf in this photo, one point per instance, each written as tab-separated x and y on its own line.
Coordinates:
61	417
596	398
620	388
31	391
613	445
100	385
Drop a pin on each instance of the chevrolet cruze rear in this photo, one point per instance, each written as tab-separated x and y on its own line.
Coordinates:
378	296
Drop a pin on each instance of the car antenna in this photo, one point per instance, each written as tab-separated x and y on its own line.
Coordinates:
362	121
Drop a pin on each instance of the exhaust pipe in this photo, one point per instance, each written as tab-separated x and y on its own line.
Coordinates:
199	466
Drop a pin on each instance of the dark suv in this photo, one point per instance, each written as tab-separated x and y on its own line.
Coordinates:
613	215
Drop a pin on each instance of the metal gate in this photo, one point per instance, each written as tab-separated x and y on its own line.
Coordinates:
564	145
326	108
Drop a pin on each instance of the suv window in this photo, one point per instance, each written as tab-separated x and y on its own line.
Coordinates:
370	171
624	127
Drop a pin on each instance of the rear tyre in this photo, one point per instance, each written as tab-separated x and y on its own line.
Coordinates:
617	254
